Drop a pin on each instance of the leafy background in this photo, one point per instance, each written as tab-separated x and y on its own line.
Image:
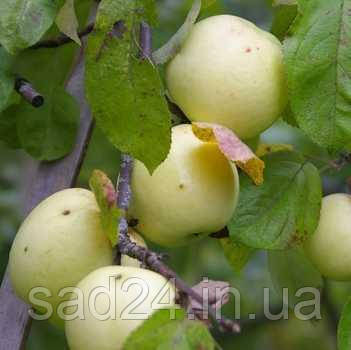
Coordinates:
209	261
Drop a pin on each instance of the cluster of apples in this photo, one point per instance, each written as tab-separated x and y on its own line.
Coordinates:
228	72
61	246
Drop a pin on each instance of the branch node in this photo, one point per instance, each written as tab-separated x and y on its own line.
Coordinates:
28	92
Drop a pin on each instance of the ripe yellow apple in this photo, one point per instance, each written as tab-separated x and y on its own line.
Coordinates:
192	193
117	299
229	72
58	244
329	248
136	238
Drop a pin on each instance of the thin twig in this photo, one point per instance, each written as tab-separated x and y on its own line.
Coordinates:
152	259
125	245
28	92
145	41
62	39
337	164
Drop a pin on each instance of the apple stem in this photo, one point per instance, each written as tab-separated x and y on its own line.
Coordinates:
224	233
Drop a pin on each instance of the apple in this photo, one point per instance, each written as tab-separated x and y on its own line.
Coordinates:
329	247
229	72
117	299
193	193
136	238
58	244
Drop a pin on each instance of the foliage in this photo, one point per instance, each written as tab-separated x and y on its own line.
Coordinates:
127	98
284	210
165	332
24	22
67	21
344	336
125	92
49	132
236	253
292	270
318	64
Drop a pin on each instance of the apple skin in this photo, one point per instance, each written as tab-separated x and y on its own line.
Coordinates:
193	193
229	72
329	247
109	334
136	238
59	243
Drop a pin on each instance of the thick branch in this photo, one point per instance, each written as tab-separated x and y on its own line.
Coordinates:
28	92
62	39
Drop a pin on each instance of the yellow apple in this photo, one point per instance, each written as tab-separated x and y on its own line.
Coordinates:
136	238
329	248
193	193
59	243
229	72
117	299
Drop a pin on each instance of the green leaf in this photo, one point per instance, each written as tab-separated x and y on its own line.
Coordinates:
284	210
23	22
344	328
8	128
236	253
149	11
318	60
292	270
207	3
51	128
7	81
48	132
284	16
172	47
67	21
162	332
125	92
106	196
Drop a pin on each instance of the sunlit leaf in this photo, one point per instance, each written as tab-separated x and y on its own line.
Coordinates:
125	92
24	22
67	21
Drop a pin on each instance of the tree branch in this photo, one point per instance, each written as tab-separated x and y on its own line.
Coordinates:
28	92
145	41
62	39
149	258
125	245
